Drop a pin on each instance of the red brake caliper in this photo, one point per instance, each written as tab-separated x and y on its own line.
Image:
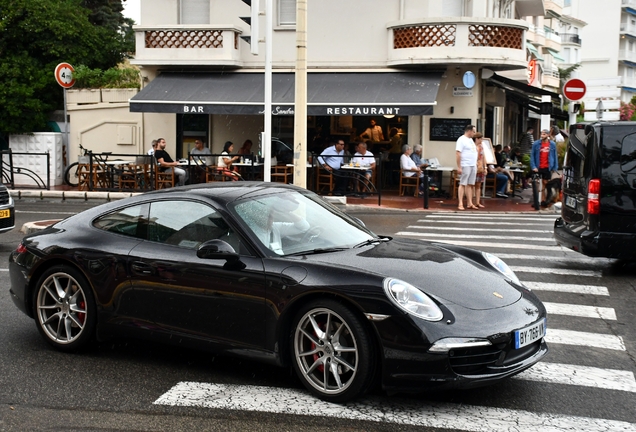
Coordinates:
81	315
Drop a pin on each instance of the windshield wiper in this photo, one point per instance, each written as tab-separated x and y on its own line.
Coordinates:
317	251
372	241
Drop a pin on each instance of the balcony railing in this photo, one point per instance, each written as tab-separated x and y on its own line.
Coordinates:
626	55
570	38
628	28
453	40
187	45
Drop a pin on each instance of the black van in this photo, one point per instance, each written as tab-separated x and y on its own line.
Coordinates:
598	214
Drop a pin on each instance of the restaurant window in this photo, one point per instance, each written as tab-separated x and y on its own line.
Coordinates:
286	12
194	12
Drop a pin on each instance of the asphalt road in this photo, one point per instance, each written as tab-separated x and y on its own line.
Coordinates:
585	384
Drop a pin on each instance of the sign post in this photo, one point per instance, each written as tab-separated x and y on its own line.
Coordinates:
574	90
64	77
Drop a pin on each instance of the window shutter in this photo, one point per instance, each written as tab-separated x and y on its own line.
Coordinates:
195	11
287	12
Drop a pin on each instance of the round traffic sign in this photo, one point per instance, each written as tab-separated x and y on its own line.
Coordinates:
64	75
574	89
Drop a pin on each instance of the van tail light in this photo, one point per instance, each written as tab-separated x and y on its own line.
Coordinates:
21	248
593	197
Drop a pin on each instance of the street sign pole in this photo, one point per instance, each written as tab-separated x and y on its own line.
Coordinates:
64	77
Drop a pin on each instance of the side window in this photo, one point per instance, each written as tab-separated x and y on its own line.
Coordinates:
187	224
130	221
628	154
286	12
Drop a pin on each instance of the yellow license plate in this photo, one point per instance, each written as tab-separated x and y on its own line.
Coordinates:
5	214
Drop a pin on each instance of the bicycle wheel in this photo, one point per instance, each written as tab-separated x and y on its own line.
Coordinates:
70	175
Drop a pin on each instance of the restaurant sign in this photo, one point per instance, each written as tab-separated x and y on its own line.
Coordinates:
288	110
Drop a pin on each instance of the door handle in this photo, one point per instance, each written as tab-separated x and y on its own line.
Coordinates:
141	267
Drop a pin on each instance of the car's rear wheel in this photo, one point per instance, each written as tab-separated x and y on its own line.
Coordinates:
332	352
65	308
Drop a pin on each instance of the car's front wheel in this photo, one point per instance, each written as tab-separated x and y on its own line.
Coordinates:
333	354
65	308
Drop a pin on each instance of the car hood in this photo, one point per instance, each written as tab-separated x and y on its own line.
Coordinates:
437	271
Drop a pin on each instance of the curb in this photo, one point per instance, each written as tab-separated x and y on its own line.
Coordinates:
19	194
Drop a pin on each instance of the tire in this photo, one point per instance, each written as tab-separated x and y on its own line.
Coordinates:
64	307
70	174
335	364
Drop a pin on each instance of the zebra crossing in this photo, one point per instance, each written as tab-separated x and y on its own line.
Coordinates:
572	282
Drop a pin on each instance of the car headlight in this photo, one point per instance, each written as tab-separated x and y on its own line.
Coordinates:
502	267
412	300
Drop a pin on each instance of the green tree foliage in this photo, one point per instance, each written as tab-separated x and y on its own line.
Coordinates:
37	35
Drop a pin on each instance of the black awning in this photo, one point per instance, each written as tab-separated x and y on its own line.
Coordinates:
523	87
360	94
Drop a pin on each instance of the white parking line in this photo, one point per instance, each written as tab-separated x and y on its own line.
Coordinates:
568	288
595	340
382	410
609	379
580	311
560	271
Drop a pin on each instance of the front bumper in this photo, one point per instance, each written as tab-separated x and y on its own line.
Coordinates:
7	223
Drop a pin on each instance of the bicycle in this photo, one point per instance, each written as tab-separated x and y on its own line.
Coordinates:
71	174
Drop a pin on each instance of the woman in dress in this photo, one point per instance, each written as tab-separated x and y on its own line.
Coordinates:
481	169
225	162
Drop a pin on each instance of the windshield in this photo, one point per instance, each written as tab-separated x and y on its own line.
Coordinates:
289	222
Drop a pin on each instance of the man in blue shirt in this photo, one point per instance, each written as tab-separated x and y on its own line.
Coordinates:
330	160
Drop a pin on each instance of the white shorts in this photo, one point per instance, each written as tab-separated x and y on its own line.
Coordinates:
468	175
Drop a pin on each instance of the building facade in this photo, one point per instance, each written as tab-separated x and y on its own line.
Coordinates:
421	69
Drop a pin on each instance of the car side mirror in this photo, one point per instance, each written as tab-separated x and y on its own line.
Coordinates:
218	249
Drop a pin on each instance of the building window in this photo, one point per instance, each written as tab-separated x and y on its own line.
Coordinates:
286	12
194	12
567	3
567	56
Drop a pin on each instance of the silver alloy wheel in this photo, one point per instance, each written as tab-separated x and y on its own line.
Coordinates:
326	351
61	308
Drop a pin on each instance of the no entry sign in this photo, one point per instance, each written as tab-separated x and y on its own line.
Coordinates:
574	89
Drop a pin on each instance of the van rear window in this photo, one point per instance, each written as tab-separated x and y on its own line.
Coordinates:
628	153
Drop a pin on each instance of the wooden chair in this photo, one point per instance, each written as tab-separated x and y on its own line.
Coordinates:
163	179
407	182
83	176
491	183
324	180
212	174
282	174
137	176
455	183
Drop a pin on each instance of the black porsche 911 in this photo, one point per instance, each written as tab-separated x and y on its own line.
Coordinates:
274	273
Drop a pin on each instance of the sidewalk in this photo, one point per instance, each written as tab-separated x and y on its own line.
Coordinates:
390	200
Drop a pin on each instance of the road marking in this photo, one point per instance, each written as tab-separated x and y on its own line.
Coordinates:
482	222
560	271
568	288
586	376
580	311
489	230
380	409
596	340
500	219
484	237
514	216
573	257
4	269
554	248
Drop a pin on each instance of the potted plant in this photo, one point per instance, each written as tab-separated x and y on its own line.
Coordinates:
116	84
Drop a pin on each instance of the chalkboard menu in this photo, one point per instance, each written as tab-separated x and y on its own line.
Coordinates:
447	129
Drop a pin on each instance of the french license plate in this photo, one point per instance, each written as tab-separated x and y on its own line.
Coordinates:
5	214
570	201
530	334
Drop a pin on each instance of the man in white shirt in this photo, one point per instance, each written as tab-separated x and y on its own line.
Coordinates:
466	156
373	132
364	157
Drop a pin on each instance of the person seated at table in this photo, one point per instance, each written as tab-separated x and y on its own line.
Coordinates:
364	158
153	148
246	148
408	166
417	157
502	180
330	160
197	152
166	164
225	162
